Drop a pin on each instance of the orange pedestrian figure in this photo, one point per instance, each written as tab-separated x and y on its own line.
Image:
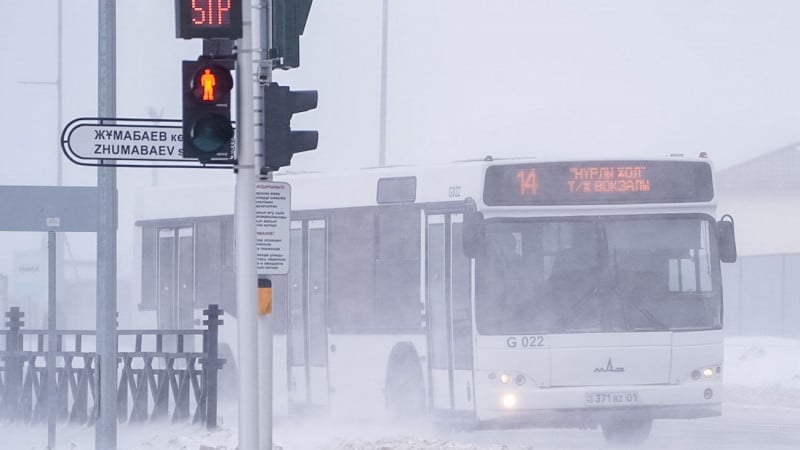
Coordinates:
208	80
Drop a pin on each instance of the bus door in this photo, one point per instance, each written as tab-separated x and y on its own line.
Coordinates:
176	282
449	317
307	328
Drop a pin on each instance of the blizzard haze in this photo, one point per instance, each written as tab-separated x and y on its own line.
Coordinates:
466	78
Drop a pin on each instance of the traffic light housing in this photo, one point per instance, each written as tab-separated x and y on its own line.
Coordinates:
207	129
280	141
288	23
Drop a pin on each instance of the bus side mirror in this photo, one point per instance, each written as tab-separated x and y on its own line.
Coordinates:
726	239
474	235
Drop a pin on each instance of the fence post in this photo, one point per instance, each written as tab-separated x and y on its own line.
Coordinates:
211	363
14	360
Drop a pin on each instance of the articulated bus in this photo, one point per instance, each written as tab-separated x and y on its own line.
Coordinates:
522	292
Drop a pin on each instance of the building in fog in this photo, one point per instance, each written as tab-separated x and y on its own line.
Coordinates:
762	289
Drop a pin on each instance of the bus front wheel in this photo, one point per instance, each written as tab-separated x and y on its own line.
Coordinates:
631	431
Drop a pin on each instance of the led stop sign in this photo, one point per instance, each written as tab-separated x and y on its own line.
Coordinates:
208	19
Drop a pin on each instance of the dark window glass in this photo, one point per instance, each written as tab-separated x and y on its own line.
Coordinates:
296	310
317	326
598	274
397	190
437	307
228	290
462	313
351	297
398	234
397	270
149	298
209	265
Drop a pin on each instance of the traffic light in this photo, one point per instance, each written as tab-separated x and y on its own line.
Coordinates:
207	129
288	23
280	141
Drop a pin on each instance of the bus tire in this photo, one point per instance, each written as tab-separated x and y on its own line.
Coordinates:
405	388
628	431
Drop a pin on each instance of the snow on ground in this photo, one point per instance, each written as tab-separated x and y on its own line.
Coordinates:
762	370
758	371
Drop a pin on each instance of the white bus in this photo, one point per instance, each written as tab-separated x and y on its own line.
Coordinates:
495	292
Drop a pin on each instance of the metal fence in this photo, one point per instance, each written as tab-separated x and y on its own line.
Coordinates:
762	296
159	374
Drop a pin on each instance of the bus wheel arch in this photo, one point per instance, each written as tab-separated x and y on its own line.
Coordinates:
404	390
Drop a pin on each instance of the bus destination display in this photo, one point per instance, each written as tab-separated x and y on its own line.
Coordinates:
209	19
600	182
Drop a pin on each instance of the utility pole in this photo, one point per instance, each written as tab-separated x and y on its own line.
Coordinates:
384	67
106	427
245	224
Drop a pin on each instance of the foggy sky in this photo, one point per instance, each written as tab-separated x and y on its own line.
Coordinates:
466	78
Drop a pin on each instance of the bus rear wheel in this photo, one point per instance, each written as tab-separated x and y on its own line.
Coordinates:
630	431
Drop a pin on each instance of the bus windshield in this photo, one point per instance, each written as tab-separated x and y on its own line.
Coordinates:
598	274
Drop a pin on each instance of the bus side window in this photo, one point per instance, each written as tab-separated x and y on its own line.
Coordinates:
149	292
351	284
397	269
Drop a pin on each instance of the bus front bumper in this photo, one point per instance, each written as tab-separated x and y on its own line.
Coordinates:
589	406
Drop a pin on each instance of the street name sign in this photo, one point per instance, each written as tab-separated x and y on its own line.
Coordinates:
273	204
130	143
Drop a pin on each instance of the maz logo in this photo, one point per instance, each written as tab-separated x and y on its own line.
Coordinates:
609	368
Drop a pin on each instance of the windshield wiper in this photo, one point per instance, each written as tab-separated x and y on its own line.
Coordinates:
659	325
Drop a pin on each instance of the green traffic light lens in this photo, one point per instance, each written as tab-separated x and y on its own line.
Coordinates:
211	134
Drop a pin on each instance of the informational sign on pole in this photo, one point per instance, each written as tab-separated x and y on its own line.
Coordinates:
273	203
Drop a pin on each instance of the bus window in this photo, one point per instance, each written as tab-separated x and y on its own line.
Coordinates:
397	269
149	300
351	304
597	274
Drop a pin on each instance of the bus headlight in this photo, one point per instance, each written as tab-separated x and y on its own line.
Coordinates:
505	378
509	401
706	373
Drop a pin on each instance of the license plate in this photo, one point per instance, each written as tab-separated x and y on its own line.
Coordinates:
612	398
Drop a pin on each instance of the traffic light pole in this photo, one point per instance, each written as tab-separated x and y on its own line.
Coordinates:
245	223
265	341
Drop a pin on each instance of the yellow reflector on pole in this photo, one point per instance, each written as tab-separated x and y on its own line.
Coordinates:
264	296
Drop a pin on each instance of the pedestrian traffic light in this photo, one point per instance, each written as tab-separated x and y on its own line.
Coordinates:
288	23
280	141
207	129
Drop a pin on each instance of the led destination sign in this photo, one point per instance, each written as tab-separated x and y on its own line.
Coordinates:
598	182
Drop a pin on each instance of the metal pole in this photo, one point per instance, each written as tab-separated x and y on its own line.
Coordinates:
264	322
51	269
384	65
245	224
51	340
60	100
106	428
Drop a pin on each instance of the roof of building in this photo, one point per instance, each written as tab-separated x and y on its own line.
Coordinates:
778	170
